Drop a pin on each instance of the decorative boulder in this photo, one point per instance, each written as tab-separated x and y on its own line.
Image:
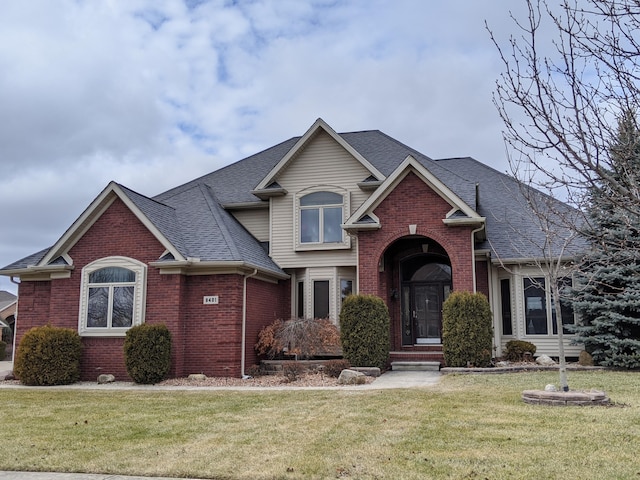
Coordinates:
106	378
197	376
351	377
545	360
550	388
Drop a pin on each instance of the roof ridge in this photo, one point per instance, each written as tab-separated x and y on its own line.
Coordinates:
214	208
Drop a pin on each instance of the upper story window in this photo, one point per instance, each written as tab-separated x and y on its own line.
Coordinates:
112	297
321	217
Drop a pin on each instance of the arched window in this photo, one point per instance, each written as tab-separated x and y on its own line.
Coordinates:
112	299
321	217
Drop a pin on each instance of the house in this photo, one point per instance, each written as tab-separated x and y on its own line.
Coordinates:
289	232
8	306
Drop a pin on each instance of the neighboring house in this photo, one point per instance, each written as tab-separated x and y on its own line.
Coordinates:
289	232
8	307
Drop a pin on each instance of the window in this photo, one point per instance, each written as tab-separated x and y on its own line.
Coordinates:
321	299
321	217
346	288
540	310
566	309
112	296
505	294
300	300
535	305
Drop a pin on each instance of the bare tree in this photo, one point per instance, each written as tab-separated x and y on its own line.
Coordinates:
569	74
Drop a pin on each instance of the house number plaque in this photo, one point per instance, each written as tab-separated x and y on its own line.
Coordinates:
210	300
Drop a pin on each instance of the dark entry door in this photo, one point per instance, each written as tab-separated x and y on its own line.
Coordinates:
422	312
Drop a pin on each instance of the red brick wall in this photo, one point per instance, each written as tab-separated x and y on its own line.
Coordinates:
205	338
413	202
482	277
266	302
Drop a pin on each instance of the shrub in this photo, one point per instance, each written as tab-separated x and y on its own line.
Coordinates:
467	334
293	370
48	356
147	353
515	350
333	368
365	330
300	336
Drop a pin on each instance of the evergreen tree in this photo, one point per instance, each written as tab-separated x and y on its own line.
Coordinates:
607	294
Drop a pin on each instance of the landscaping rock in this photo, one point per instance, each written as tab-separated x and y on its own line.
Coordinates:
197	376
570	398
550	388
545	360
585	359
106	378
351	377
368	371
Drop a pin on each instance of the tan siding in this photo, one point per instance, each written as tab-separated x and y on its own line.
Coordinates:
322	162
255	221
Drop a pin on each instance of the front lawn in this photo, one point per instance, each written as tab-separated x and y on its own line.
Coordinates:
465	427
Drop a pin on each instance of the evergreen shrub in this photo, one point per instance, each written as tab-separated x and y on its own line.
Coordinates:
515	350
364	331
147	353
48	356
467	333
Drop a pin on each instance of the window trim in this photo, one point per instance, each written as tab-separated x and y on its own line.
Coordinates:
306	246
139	295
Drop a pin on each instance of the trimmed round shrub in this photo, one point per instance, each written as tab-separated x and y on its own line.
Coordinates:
467	332
147	353
515	350
48	356
365	330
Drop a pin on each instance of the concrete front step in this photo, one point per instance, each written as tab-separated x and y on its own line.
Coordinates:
415	366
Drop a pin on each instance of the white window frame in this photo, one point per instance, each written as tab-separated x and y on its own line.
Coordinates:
139	296
321	245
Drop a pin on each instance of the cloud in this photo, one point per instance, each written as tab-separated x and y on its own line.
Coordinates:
154	93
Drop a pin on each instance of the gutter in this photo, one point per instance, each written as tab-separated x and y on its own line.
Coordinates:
244	323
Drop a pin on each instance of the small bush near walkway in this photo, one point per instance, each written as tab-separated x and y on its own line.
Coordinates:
364	331
147	353
48	356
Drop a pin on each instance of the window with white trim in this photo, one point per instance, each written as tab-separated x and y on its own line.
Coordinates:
321	214
112	296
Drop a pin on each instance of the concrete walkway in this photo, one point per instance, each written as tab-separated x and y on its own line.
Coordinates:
391	379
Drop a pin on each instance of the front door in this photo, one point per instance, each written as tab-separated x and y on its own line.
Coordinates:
422	312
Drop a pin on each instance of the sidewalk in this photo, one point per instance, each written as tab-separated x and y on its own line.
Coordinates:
390	379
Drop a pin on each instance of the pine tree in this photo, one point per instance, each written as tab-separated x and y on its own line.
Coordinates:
607	294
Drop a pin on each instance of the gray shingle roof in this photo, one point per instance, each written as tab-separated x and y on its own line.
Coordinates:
192	218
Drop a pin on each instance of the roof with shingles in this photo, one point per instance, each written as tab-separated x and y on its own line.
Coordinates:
191	216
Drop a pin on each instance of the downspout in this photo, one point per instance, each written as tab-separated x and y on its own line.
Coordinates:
15	323
244	322
473	256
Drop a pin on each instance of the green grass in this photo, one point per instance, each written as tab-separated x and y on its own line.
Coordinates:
466	427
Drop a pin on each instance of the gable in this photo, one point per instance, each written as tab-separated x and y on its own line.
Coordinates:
322	161
459	212
320	126
117	232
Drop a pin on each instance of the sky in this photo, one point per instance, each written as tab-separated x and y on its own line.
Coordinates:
152	94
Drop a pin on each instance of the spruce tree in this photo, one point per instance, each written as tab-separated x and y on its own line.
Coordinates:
606	296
